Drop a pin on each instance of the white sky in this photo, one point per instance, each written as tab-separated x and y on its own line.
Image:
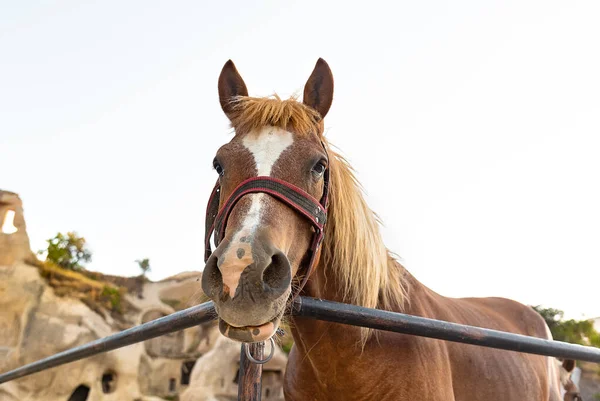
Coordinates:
473	126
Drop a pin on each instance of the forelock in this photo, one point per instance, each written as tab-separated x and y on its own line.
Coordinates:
250	113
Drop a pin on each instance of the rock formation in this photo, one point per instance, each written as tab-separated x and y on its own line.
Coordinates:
40	317
14	242
215	375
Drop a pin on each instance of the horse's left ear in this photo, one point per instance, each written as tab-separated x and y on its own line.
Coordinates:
318	91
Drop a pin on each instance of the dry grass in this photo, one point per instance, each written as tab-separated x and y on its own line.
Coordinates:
101	296
132	284
78	280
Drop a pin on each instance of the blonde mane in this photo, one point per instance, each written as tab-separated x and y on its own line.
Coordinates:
353	250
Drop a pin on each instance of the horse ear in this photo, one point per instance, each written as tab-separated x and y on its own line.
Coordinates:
318	91
569	365
231	85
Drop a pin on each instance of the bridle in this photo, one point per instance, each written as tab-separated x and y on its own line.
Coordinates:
573	396
572	392
299	200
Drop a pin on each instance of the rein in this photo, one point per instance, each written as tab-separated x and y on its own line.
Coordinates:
295	198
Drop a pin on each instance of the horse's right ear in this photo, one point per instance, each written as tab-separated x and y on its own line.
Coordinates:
569	365
231	85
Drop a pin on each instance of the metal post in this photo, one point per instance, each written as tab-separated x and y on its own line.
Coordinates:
249	380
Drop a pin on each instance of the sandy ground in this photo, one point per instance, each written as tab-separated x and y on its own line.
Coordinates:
589	386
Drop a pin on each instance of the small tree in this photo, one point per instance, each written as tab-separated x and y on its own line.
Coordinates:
572	331
67	251
551	316
144	265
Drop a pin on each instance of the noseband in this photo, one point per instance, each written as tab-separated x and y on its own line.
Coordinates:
294	197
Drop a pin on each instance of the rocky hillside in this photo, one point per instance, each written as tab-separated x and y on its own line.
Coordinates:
45	309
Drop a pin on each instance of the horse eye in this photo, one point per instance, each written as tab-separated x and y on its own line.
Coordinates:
319	168
218	167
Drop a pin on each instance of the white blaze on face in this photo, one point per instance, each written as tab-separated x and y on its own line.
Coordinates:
266	147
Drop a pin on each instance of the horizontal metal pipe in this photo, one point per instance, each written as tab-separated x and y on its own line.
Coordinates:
322	310
420	326
174	322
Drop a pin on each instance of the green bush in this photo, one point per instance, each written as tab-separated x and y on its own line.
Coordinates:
572	331
67	251
144	265
287	346
112	295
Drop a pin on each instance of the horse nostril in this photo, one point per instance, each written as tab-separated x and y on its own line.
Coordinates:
212	279
277	277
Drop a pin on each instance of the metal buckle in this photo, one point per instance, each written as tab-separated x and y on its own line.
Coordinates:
262	361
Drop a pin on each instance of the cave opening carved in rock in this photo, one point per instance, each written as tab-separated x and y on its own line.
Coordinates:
109	382
186	372
8	226
81	393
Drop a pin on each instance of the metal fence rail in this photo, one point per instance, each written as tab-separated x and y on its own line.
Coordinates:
328	311
424	327
174	322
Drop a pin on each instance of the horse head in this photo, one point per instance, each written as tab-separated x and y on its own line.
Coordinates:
271	191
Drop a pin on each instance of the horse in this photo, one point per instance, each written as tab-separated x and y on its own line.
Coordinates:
568	383
267	254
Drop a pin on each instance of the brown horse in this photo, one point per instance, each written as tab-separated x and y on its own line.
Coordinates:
568	387
263	254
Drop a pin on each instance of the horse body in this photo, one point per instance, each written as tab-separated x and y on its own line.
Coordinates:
328	363
261	261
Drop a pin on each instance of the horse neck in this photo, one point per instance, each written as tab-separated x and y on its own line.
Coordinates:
308	333
419	300
325	284
354	266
